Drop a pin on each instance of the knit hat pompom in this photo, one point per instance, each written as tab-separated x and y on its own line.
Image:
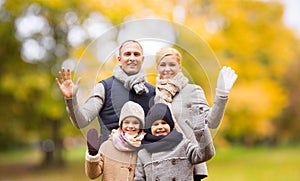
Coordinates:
131	108
167	51
158	111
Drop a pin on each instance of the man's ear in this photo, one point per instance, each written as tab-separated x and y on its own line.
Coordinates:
119	58
143	58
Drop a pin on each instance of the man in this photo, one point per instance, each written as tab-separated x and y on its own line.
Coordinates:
109	95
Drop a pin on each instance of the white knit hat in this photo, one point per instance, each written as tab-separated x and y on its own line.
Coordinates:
131	108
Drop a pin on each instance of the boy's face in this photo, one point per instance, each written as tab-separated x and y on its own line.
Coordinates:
160	128
131	58
131	125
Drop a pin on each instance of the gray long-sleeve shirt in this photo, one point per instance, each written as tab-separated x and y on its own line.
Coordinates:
81	116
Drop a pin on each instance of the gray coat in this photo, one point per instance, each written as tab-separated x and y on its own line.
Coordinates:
176	164
192	94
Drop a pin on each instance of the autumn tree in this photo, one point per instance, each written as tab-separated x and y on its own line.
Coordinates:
36	45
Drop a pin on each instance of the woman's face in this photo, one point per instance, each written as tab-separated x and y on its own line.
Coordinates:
168	67
160	128
131	125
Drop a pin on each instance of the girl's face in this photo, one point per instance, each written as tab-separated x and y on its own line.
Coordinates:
131	125
160	128
168	67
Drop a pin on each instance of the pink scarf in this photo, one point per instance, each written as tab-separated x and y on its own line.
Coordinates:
126	142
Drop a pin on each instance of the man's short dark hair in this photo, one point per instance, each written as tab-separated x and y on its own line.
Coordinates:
129	41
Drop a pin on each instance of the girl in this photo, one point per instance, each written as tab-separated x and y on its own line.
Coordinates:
116	158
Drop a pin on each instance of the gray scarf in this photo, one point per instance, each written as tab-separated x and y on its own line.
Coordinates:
135	82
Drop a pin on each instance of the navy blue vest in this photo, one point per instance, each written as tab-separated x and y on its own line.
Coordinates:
116	95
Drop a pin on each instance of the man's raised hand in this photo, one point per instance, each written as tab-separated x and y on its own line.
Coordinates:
65	83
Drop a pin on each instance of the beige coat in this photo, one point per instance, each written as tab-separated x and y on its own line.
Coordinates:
111	163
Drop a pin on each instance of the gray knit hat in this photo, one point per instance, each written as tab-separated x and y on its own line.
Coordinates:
131	108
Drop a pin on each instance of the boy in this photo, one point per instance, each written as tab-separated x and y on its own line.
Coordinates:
166	155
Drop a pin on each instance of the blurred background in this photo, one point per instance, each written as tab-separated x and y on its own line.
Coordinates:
259	138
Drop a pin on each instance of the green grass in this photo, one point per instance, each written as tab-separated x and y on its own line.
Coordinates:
24	165
230	164
258	163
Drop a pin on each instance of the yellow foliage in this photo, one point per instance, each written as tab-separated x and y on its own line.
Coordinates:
262	97
252	106
55	4
249	36
21	86
78	52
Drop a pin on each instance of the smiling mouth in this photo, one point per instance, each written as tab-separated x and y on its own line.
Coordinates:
131	65
167	74
130	129
161	133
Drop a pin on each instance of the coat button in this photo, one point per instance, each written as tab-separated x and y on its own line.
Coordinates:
157	179
173	179
173	162
156	164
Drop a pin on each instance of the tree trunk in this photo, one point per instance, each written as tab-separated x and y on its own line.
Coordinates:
53	147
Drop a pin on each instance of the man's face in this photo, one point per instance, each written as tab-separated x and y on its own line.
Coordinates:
131	58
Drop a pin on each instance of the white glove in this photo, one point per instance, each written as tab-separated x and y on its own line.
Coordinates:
226	79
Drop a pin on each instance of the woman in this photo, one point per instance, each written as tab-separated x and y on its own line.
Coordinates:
116	158
172	88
